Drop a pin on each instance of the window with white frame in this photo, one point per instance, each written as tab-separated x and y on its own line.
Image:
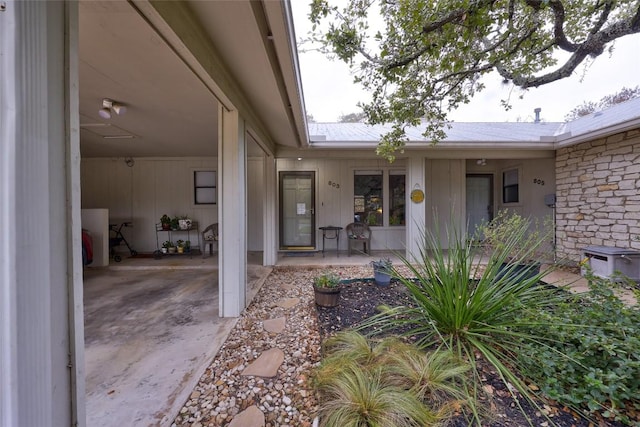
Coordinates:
204	187
379	197
510	190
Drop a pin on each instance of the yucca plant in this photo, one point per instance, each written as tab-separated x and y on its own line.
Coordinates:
385	383
468	307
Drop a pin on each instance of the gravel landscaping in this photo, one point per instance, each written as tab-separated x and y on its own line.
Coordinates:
287	399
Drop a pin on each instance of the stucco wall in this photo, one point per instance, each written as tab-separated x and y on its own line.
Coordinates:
598	202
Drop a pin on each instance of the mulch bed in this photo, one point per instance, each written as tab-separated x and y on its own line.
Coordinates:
359	300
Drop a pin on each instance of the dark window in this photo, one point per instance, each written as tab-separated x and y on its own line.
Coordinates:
396	198
510	186
367	197
204	187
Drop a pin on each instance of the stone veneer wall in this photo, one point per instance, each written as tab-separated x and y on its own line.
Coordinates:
597	195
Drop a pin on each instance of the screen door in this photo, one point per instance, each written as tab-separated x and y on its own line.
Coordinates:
297	210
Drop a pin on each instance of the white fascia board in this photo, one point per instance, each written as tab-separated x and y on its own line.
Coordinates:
569	140
443	145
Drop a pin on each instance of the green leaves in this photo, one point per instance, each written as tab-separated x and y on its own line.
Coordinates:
593	359
471	308
423	59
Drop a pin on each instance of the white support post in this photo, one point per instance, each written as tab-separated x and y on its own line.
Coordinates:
270	256
232	204
41	315
416	212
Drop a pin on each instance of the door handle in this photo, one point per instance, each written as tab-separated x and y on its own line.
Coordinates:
311	211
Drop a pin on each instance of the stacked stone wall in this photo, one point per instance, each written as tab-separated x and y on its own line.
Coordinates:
598	195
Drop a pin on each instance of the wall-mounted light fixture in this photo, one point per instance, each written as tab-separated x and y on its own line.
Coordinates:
109	106
481	162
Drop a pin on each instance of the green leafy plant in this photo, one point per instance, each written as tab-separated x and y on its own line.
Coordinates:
592	360
471	309
175	223
326	280
385	383
165	219
167	244
497	235
383	265
180	243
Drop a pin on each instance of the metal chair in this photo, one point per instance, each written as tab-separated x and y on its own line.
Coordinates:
209	237
359	233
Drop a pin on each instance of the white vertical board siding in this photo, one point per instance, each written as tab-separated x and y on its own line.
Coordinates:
445	197
255	204
144	192
334	204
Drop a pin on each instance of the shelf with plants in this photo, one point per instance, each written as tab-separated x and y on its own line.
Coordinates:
178	235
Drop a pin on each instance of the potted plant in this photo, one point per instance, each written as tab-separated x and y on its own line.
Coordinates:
165	246
180	246
522	259
175	223
165	221
382	270
326	287
187	246
171	248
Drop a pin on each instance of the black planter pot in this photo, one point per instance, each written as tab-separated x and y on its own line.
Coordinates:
521	271
327	297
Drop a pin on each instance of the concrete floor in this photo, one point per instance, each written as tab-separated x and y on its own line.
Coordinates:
151	329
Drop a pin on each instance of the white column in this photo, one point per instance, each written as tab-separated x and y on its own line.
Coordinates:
41	348
416	212
232	207
270	256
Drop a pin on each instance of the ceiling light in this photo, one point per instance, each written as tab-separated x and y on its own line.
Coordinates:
109	106
105	113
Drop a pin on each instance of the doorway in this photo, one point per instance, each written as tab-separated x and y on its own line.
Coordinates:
479	201
297	210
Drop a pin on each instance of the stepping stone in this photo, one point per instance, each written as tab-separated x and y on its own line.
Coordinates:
250	417
274	325
266	365
288	302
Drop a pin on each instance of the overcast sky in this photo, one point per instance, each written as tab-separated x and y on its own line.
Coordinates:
329	90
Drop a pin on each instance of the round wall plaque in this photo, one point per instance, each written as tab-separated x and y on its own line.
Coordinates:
417	196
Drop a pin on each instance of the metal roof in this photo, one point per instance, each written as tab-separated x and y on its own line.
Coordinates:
595	124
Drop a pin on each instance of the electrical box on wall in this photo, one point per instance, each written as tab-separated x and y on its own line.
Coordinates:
550	199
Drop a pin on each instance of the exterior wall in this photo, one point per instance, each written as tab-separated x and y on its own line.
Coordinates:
334	205
597	194
143	193
255	206
153	187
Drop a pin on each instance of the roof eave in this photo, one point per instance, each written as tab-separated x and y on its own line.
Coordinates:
567	140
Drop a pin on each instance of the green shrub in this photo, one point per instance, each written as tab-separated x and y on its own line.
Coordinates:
591	356
387	383
472	309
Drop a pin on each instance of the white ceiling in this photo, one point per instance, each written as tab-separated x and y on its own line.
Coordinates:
170	111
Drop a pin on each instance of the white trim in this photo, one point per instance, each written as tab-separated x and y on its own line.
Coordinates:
8	179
